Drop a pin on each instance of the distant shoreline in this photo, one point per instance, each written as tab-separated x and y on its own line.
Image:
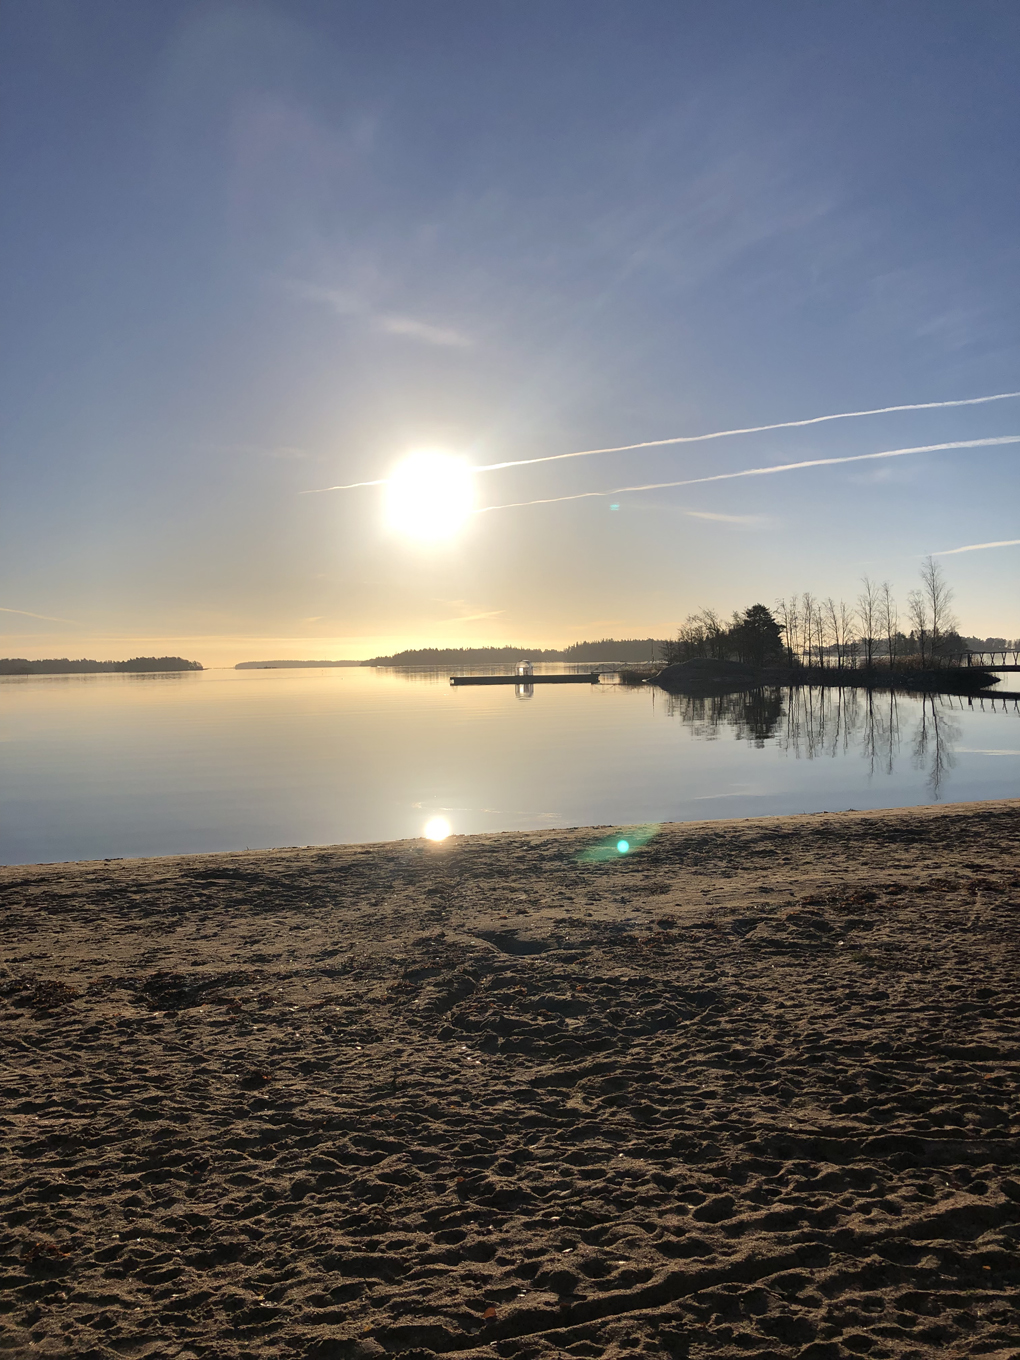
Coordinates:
290	665
137	665
599	651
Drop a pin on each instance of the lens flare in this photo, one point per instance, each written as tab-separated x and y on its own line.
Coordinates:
607	850
429	496
437	829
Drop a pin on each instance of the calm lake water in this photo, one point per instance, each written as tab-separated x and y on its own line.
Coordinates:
101	766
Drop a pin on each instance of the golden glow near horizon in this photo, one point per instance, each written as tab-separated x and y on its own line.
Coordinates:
437	829
429	496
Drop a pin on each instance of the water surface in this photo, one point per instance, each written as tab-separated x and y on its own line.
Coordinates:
101	766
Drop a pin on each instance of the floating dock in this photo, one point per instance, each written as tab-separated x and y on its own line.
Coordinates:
587	679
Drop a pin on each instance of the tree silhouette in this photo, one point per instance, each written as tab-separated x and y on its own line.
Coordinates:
759	637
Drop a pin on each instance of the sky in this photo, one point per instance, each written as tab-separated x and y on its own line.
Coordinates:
250	250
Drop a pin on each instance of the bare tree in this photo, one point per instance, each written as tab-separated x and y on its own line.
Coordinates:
789	620
936	733
868	602
701	635
848	643
691	637
690	641
920	620
715	633
808	609
889	616
938	596
830	614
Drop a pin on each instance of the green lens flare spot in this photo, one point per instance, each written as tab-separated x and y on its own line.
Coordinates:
602	852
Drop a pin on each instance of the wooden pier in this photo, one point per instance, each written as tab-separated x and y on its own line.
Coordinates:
591	678
986	661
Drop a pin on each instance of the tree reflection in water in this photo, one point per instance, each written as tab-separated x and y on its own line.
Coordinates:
753	714
933	742
809	722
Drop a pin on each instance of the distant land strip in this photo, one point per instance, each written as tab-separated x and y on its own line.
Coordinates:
18	665
289	665
606	649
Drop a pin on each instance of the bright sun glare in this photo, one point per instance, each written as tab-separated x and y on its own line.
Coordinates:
429	496
437	829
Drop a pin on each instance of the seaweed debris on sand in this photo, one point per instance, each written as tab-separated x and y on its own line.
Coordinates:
750	1089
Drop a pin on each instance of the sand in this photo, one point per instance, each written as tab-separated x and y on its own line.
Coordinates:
749	1090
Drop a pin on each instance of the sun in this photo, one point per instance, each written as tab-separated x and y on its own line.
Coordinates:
429	496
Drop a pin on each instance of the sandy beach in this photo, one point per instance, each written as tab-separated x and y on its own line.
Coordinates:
750	1089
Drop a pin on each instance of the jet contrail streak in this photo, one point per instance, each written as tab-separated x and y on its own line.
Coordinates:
379	481
762	471
699	438
752	429
974	547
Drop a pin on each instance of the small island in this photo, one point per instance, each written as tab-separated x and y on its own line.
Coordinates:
17	665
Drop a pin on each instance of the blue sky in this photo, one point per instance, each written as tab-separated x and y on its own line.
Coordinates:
253	249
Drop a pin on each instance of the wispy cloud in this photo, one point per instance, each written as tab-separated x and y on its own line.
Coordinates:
283	451
343	302
762	471
883	476
977	547
471	618
421	330
465	612
663	507
47	618
287	451
724	519
349	302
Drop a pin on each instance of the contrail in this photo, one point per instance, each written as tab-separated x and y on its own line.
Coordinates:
752	429
762	471
701	438
379	481
975	547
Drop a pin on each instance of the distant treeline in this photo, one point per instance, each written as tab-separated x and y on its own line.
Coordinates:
17	665
288	665
607	649
990	644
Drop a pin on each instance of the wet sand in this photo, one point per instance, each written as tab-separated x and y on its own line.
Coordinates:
749	1090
